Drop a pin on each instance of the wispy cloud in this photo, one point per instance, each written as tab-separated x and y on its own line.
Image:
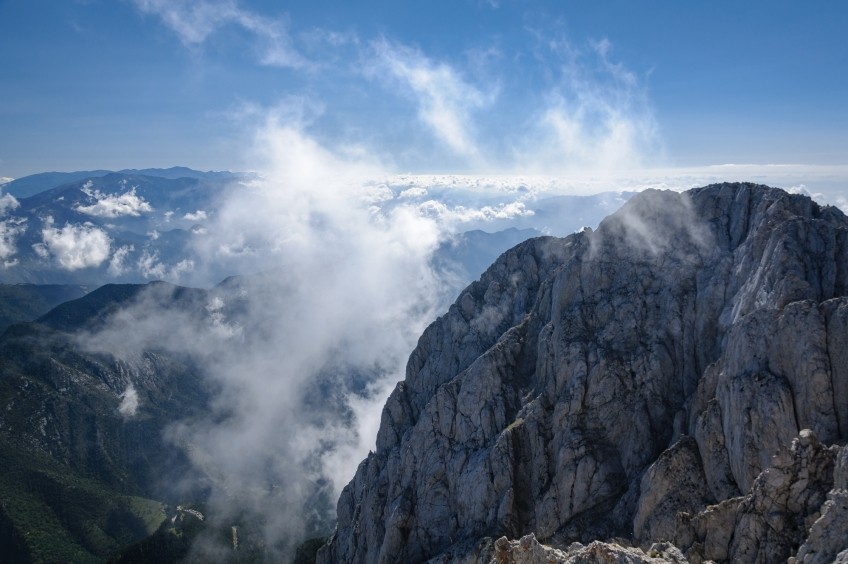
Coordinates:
199	215
597	114
445	100
117	264
129	402
8	203
194	21
451	215
10	230
151	266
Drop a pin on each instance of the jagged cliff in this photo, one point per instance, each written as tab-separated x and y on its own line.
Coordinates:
675	375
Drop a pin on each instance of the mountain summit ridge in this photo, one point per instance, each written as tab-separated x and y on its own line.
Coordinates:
634	382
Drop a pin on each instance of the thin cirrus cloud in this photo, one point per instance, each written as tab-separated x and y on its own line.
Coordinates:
597	114
194	21
589	113
446	102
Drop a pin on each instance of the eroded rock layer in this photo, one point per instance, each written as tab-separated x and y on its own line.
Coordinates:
648	381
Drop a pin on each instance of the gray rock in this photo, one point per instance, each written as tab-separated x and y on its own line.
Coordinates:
828	537
617	383
528	550
784	501
674	483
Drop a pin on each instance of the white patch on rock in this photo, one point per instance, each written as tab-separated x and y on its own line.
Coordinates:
129	402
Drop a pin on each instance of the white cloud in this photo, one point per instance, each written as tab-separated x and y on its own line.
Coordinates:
445	100
113	205
74	246
414	192
10	230
8	203
151	267
596	117
198	215
129	402
117	264
41	250
377	194
462	214
218	320
194	21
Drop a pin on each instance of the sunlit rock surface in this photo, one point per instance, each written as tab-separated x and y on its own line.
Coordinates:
678	375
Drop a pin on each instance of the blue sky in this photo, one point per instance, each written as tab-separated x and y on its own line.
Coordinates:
439	86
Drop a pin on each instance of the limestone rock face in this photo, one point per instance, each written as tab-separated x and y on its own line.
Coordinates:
674	483
827	536
766	524
635	382
528	550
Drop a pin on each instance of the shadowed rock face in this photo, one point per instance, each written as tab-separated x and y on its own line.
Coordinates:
621	383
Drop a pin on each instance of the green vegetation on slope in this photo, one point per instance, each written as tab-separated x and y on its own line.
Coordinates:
20	303
56	515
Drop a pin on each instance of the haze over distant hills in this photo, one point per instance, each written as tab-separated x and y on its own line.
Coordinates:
90	227
39	182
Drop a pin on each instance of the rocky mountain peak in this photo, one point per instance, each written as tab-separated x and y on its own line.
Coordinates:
675	375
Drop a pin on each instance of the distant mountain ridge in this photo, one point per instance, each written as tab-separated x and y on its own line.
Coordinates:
20	303
133	226
118	227
33	184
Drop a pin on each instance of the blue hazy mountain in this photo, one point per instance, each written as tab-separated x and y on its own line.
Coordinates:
26	302
149	219
133	226
31	185
469	254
